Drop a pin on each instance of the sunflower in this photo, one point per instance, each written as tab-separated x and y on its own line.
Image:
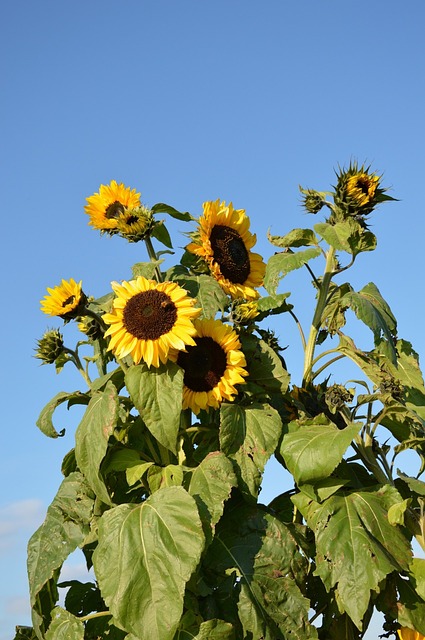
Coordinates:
408	634
106	206
67	300
135	224
212	367
224	242
148	319
361	188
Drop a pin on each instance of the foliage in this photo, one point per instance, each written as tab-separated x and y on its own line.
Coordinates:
163	495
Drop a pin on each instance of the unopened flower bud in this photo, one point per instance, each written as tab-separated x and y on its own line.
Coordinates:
50	346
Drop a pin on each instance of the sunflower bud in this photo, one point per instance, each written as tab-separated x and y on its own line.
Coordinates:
337	396
244	312
135	224
50	346
90	327
312	200
358	191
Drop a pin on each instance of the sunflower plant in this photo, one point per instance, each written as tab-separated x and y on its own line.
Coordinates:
186	396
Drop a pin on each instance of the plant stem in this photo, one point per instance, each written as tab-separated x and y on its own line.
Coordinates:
76	360
99	614
317	318
153	257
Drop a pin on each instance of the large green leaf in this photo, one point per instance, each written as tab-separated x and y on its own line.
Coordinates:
249	436
157	395
145	556
160	207
315	448
210	484
266	368
263	552
63	530
411	607
65	626
210	296
45	423
356	547
92	435
347	236
295	238
280	264
370	307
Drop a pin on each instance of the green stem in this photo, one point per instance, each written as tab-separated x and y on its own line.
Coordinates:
317	318
99	614
76	360
95	316
300	329
153	257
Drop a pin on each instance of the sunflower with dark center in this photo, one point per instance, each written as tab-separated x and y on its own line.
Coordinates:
67	300
148	319
135	224
224	241
106	206
212	367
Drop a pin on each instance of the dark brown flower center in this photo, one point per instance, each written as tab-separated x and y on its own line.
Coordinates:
68	301
230	253
203	364
148	315
114	209
363	184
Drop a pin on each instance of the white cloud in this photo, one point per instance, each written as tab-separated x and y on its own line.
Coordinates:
21	517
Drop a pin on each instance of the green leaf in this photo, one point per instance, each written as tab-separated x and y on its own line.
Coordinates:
160	232
63	530
208	293
371	308
410	607
417	569
349	236
146	269
116	377
271	305
295	238
281	264
266	369
145	555
356	546
165	208
210	484
92	435
249	436
157	395
315	449
64	626
45	423
135	473
160	477
263	552
215	630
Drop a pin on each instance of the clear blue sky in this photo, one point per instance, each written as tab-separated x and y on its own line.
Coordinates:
187	101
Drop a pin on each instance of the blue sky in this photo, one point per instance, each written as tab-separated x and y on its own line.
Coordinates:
187	101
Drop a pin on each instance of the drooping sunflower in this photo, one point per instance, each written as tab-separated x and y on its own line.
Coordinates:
148	319
212	367
67	300
404	633
108	204
225	242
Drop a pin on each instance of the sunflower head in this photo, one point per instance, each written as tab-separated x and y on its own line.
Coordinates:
224	241
67	300
135	224
50	346
358	191
212	366
148	319
106	206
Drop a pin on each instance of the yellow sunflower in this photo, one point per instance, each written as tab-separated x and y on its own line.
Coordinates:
212	367
361	188
148	319
106	206
408	634
225	243
67	300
